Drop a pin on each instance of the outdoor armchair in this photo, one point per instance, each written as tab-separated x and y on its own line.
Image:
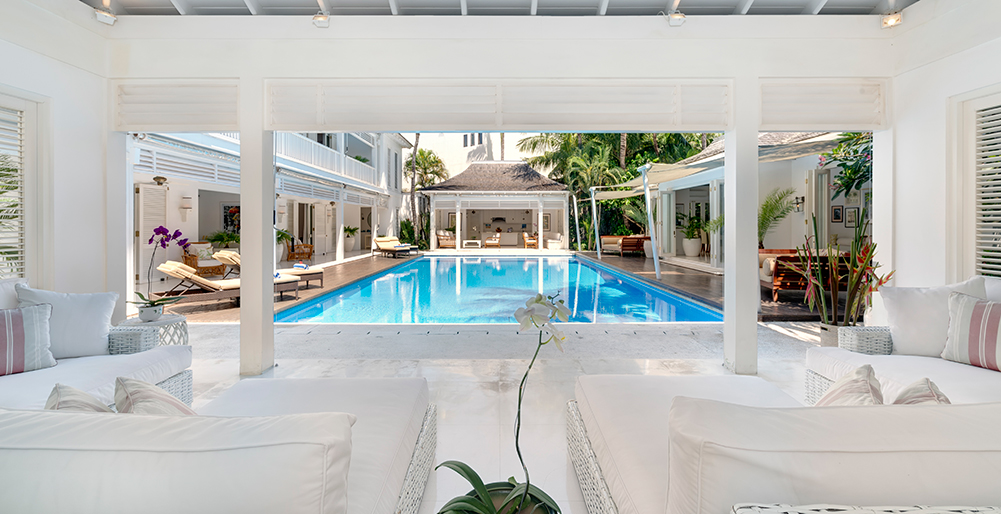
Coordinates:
299	251
198	255
530	241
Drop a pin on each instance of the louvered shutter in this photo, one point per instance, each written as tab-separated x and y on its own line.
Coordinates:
152	203
987	159
12	254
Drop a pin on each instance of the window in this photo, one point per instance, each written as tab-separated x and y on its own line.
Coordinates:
12	164
480	139
465	140
987	162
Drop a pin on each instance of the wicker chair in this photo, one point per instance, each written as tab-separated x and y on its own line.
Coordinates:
203	267
530	241
299	251
493	241
445	239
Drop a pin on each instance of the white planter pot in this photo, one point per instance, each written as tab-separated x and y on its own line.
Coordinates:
692	247
279	252
828	335
349	243
648	249
148	314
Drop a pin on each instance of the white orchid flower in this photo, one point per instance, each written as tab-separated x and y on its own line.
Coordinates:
535	315
561	311
554	334
538	298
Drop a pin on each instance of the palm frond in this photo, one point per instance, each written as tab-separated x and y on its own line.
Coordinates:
775	208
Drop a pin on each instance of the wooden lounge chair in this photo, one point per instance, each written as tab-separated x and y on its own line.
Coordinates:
445	239
203	267
391	246
232	261
782	278
194	288
530	241
299	251
493	241
631	244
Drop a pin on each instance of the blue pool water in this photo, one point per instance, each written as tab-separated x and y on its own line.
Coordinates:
490	289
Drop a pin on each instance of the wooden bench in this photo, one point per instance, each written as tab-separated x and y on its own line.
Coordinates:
785	279
632	244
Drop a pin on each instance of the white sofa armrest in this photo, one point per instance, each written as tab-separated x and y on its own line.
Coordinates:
122	340
867	340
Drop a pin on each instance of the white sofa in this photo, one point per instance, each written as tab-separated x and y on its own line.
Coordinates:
264	445
611	244
689	445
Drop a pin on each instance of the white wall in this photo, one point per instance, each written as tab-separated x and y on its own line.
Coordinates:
210	210
352	218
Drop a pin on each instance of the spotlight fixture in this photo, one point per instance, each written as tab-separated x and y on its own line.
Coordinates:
892	20
105	17
321	19
674	18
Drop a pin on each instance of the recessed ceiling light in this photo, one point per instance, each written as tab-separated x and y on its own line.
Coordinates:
892	20
321	19
674	18
105	17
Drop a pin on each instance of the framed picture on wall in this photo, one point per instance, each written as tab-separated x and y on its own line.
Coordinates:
451	219
679	208
837	214
231	218
852	197
545	222
851	217
867	203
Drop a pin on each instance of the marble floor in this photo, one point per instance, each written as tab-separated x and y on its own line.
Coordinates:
473	373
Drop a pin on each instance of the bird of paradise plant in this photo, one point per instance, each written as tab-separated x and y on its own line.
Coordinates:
540	312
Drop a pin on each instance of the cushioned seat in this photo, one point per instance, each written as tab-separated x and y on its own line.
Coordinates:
626	421
390	414
94	375
961	383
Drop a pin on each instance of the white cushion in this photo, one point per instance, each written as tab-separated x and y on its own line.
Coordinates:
202	251
142	398
992	286
919	316
208	263
922	392
93	375
8	296
79	324
960	382
64	397
722	454
390	414
626	421
57	461
859	387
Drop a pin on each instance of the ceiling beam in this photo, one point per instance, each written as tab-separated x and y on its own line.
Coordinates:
182	6
743	6
673	5
885	6
602	7
394	8
114	6
814	6
463	7
322	4
535	8
254	7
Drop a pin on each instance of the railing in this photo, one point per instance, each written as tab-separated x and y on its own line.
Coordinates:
300	148
365	136
359	170
230	135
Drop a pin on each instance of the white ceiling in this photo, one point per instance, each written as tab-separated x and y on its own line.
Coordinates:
498	7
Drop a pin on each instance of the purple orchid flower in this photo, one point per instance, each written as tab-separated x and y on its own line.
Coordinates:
176	234
183	243
161	231
151	238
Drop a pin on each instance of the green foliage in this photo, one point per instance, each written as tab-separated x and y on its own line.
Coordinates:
484	498
714	225
223	239
282	236
430	168
775	208
360	158
854	156
691	226
149	302
350	231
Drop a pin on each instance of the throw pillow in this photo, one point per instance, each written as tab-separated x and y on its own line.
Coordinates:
919	316
8	296
138	397
858	387
79	324
922	392
24	339
973	331
64	397
202	251
992	285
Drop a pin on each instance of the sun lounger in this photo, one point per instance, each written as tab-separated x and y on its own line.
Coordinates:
391	246
232	261
194	288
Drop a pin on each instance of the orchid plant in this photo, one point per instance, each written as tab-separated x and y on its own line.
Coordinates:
540	313
162	238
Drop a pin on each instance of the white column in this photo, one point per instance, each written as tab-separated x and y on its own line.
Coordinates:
339	254
540	238
651	228
566	223
120	264
594	222
883	218
741	295
433	236
257	243
458	224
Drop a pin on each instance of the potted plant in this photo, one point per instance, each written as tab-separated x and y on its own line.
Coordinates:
222	239
691	227
510	497
349	237
150	309
823	277
281	237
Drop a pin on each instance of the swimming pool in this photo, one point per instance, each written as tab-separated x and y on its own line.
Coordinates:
489	289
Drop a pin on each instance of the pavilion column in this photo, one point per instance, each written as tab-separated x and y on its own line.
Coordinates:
433	236
741	294
458	224
884	220
566	223
257	243
339	229
120	270
540	239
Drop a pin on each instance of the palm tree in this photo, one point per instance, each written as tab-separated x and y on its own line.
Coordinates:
426	169
774	209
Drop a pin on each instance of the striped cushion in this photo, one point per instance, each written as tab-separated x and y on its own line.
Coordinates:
138	397
922	392
974	329
24	339
64	397
859	387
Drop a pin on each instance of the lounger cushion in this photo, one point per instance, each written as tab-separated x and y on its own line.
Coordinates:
390	414
57	461
93	375
8	295
202	251
626	421
79	324
208	263
919	316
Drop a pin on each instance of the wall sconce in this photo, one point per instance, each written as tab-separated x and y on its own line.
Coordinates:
281	211
160	180
185	208
798	202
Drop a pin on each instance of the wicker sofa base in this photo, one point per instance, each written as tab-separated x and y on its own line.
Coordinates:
420	464
180	386
592	482
816	386
755	508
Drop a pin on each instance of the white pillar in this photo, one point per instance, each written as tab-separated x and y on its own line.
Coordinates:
651	229
576	218
741	295
433	236
257	244
339	254
594	223
540	238
566	222
458	224
883	218
120	264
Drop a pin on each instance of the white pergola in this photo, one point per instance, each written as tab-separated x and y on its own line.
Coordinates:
538	202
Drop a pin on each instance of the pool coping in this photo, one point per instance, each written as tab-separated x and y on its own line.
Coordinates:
346	284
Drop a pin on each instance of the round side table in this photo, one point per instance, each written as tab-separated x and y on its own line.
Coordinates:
173	328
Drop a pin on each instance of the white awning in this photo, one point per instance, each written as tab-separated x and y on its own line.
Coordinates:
612	195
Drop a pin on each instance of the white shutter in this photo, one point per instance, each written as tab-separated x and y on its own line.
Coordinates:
151	204
12	251
987	159
823	104
176	106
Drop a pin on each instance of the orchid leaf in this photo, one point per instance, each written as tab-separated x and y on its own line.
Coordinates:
470	476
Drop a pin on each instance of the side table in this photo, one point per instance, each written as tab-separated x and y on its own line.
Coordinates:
471	243
171	328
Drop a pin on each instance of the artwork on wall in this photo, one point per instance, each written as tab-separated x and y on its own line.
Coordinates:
837	214
451	219
545	222
680	209
852	197
231	218
867	203
851	217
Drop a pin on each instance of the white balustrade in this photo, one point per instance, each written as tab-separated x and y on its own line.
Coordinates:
302	149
